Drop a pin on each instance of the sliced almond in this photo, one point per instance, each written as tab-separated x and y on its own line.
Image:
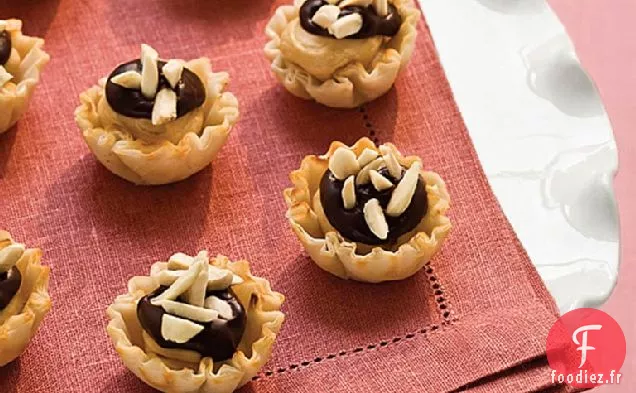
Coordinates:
381	7
183	283
403	193
195	295
128	79
165	108
5	76
219	279
359	3
326	15
178	330
188	311
237	280
220	306
375	219
367	156
363	176
349	193
392	164
149	71
343	163
180	261
172	70
346	26
168	277
380	182
10	255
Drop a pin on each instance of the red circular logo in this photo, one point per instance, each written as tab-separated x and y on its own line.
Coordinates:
586	348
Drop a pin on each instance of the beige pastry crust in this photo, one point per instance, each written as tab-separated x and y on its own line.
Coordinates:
145	154
20	320
362	75
358	261
139	354
25	64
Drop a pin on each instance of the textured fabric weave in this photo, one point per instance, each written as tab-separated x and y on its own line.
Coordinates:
477	319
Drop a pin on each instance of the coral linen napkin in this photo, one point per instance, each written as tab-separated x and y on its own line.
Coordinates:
475	319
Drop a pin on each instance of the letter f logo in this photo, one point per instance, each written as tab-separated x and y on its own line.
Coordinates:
583	344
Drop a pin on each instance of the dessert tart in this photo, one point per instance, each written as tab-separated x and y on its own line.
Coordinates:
341	53
24	297
156	122
367	213
196	324
21	61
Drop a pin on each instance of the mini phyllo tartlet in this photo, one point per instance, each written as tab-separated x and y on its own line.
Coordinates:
196	324
155	121
341	53
367	213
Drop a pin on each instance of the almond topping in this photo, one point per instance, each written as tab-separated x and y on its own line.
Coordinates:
183	283
195	295
10	255
172	70
149	71
346	26
326	15
128	79
403	193
392	164
359	3
343	163
367	156
349	193
237	280
178	330
180	261
165	108
219	279
375	219
381	7
197	314
380	182
220	306
363	176
5	76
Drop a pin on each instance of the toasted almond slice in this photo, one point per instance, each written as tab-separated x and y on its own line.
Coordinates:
237	280
149	71
178	330
359	3
326	15
349	193
188	311
367	156
10	255
220	306
403	193
343	163
381	7
128	79
165	108
392	164
183	283
219	279
172	70
195	295
5	76
380	182
363	176
375	219
168	277
180	261
346	26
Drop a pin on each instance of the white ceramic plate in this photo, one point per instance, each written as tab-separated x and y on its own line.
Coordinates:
542	135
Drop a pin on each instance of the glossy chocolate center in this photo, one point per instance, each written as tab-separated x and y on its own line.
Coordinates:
351	223
219	338
9	285
132	103
5	47
372	23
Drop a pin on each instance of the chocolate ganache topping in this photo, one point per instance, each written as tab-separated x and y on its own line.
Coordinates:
372	199
5	47
10	282
372	23
219	338
133	103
